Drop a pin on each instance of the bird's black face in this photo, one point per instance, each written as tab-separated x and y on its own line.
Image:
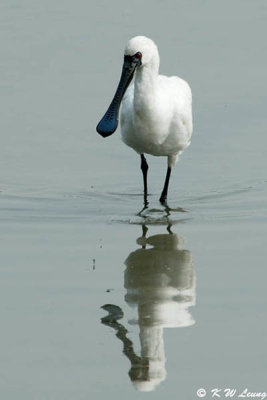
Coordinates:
136	58
109	122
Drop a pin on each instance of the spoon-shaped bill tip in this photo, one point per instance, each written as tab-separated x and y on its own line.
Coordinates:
107	125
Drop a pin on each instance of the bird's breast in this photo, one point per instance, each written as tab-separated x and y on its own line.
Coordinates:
152	124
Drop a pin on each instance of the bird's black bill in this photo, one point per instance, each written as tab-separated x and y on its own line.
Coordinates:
109	122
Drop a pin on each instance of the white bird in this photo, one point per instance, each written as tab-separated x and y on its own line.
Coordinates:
156	114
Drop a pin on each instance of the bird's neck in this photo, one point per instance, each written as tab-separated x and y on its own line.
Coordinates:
145	88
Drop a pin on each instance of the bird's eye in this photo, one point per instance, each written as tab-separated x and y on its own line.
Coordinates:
138	55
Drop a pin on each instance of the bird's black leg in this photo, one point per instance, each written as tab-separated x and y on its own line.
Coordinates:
164	193
144	168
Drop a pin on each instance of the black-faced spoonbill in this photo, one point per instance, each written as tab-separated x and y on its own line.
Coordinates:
156	113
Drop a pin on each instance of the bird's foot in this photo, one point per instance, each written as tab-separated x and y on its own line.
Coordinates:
163	199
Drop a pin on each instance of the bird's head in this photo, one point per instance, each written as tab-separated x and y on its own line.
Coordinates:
140	52
144	48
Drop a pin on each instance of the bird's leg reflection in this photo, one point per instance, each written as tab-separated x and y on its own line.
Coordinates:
159	280
169	229
142	240
144	230
164	214
168	213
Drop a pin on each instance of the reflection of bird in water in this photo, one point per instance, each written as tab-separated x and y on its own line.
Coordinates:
160	281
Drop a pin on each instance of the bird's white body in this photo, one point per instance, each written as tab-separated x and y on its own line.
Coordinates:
156	113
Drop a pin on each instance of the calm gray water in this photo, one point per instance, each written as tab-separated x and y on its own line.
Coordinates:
183	290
